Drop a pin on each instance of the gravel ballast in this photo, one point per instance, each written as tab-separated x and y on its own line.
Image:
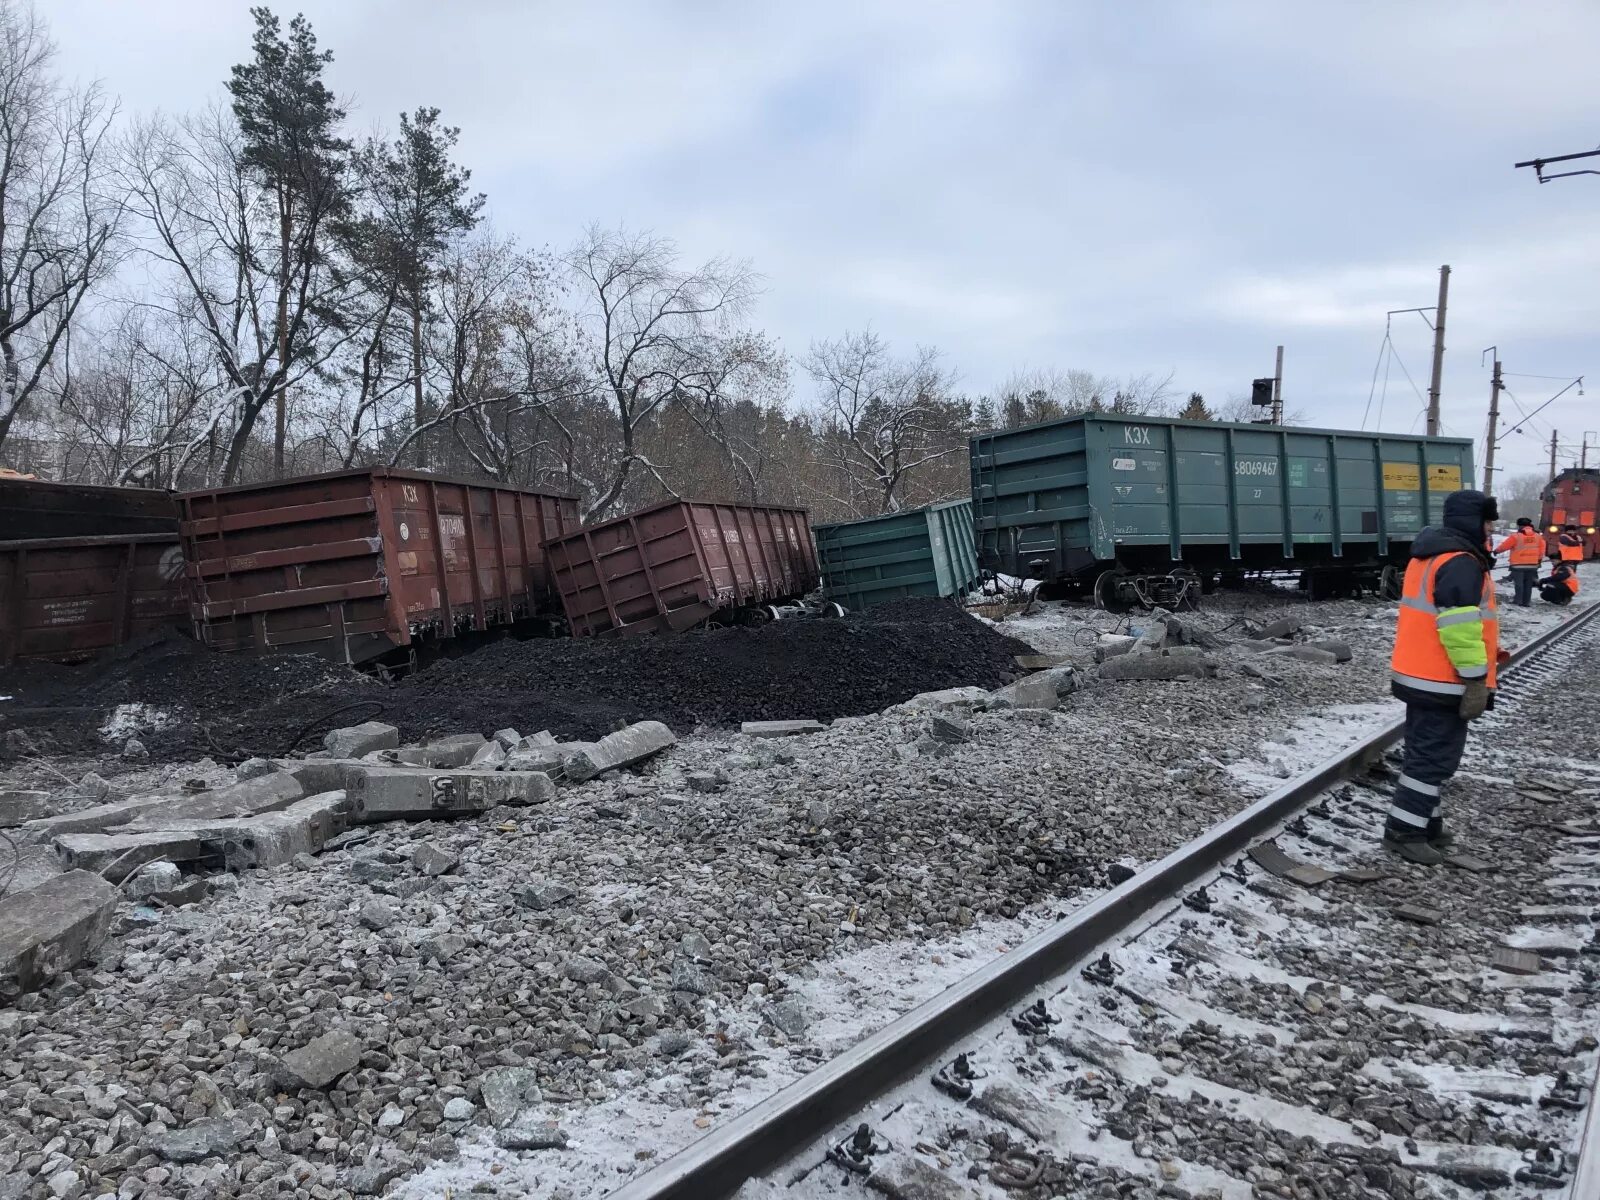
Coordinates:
653	938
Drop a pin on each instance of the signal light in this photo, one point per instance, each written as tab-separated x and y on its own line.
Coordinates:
1261	392
1555	529
1590	529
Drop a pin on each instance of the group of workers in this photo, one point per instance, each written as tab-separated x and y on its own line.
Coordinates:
1527	548
1447	652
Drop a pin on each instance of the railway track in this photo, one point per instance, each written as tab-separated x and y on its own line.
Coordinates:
1260	1013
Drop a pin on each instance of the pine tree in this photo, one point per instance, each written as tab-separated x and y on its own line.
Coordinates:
289	122
418	202
1196	409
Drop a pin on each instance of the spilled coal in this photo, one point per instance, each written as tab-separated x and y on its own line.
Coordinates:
195	702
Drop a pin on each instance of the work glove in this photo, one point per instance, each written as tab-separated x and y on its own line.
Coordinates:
1475	700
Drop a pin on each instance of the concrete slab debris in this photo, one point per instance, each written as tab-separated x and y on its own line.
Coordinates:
118	855
401	794
52	928
89	820
1033	692
321	1062
19	807
265	793
1516	962
550	760
625	748
356	740
1145	666
1418	913
273	839
1340	650
1039	662
1307	653
1281	628
506	738
453	751
778	729
957	697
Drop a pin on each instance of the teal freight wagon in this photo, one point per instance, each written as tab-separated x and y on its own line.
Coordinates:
922	552
1142	510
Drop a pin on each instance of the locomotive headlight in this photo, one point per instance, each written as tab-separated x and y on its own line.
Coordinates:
1555	529
1590	529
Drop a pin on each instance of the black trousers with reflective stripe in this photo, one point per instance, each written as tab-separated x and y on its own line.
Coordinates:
1435	741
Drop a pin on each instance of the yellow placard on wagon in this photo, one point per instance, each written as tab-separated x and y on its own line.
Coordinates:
1444	479
1401	477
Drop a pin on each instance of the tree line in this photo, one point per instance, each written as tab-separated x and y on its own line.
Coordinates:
251	291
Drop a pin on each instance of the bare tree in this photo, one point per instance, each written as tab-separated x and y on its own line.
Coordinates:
1523	495
657	334
882	418
58	227
214	247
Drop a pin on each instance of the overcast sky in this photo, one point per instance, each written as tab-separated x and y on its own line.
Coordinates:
1118	187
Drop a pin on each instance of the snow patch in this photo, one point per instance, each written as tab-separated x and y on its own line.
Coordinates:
126	720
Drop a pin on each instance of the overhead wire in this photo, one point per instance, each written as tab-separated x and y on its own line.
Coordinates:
1378	362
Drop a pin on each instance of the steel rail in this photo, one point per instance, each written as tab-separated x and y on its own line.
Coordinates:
772	1131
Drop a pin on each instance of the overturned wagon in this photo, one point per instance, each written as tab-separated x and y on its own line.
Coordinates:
36	508
681	563
66	599
923	552
364	564
84	568
1149	510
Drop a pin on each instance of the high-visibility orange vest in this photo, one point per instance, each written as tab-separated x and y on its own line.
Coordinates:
1419	660
1526	545
1572	584
1571	548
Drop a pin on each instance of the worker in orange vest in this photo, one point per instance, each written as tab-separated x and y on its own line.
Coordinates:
1561	585
1570	545
1446	650
1526	544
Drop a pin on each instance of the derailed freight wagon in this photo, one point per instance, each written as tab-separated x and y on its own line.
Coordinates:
67	599
920	552
681	563
366	564
1146	510
37	508
83	568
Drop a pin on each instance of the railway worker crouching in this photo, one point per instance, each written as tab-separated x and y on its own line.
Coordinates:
1526	544
1446	651
1561	585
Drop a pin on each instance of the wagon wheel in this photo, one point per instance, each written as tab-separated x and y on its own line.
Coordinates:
1390	582
1105	590
834	609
